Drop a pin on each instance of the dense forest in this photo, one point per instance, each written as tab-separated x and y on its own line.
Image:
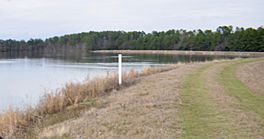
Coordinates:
224	38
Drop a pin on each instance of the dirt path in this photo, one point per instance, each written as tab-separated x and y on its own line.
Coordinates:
148	109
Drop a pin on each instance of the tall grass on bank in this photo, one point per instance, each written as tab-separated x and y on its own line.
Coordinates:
15	122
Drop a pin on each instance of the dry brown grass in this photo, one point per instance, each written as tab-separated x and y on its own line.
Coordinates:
16	122
252	75
148	109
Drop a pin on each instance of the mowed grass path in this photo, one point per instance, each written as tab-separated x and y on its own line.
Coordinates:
198	111
203	117
249	100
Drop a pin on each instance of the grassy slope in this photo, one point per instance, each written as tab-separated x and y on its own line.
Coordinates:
201	115
65	103
202	118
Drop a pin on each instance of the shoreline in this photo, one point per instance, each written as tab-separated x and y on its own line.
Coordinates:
164	105
59	113
70	99
179	52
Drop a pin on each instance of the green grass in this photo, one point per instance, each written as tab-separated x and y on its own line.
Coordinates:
201	118
248	99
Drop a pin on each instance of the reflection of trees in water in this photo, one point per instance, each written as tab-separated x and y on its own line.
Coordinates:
88	57
20	54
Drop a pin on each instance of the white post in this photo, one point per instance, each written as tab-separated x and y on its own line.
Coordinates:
120	69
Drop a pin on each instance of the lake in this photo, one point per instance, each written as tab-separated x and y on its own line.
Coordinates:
24	77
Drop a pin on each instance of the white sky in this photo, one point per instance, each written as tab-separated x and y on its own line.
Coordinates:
24	19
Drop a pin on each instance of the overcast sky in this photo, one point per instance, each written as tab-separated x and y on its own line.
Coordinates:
24	19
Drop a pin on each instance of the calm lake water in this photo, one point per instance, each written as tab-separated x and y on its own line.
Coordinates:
24	77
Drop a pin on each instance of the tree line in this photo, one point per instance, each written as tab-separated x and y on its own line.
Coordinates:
224	38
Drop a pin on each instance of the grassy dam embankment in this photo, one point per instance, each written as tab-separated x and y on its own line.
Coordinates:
217	99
